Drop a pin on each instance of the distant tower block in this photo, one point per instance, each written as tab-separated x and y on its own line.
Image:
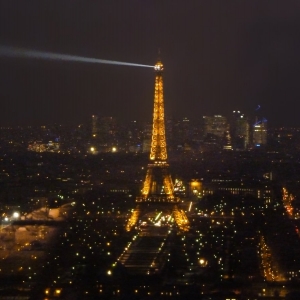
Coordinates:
260	133
94	126
158	188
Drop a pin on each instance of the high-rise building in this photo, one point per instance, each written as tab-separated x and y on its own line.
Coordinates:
182	130
95	126
183	134
216	133
227	145
134	136
104	134
260	133
216	125
239	131
107	129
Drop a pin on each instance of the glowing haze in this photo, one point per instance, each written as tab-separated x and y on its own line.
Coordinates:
6	51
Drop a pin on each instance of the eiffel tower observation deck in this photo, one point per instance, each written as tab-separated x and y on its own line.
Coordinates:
158	187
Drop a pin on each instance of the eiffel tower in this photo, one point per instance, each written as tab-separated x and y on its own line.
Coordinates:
158	189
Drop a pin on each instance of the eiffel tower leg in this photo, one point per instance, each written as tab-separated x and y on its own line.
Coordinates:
181	219
133	218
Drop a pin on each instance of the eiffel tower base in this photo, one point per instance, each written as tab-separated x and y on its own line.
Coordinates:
142	209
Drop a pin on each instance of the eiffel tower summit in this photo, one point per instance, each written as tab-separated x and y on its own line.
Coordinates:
158	190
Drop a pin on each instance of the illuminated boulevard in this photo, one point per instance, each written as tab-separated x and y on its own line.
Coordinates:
147	252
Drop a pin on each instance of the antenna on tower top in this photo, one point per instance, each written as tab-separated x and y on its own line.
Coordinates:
158	53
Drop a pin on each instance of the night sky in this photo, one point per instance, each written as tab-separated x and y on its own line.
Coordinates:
219	56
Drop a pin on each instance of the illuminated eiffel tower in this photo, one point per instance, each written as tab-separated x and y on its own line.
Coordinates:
158	187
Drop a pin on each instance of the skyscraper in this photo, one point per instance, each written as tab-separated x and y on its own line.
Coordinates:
103	133
239	131
95	126
260	133
216	125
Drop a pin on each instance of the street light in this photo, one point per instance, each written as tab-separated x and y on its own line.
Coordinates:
16	215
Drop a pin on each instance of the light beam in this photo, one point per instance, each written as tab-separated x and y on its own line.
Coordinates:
6	51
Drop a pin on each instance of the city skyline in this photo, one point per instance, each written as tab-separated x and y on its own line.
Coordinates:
218	57
115	208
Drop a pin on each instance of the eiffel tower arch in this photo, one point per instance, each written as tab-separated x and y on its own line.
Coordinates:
158	190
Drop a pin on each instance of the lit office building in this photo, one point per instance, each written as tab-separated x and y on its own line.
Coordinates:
104	134
240	131
260	133
216	125
94	126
